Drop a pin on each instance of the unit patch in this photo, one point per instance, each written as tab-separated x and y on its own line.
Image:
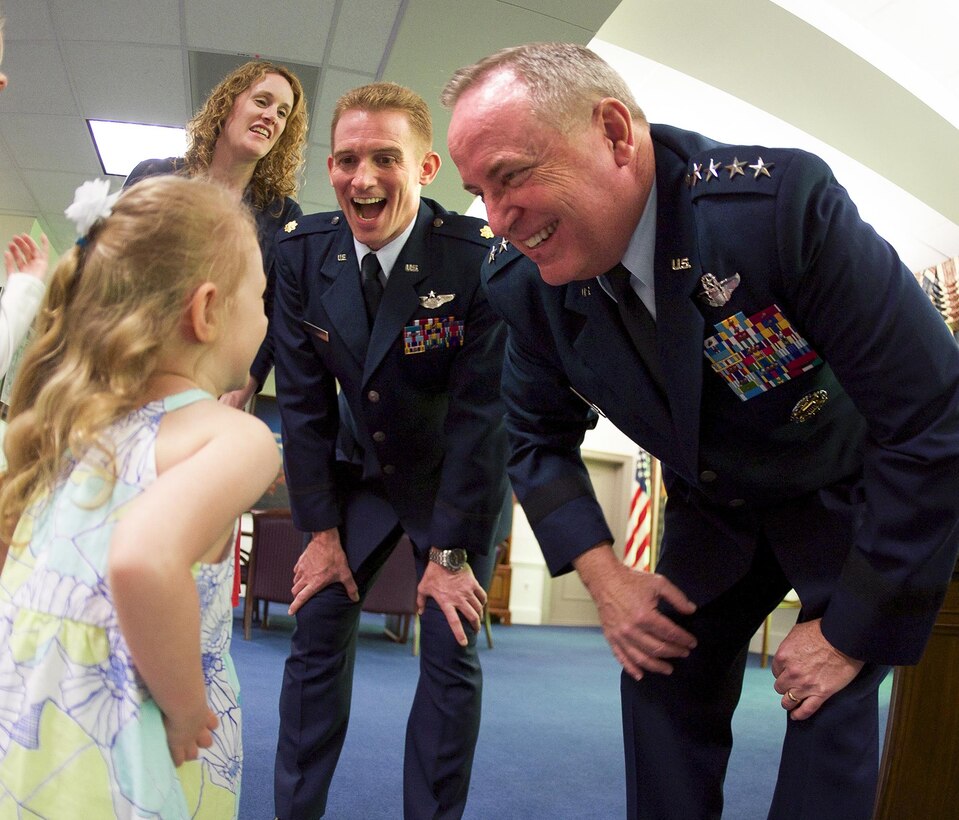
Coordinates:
757	353
432	334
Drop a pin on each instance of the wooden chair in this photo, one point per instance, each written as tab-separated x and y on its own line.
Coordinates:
394	594
274	550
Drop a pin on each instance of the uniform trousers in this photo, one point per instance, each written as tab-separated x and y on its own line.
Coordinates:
677	728
317	690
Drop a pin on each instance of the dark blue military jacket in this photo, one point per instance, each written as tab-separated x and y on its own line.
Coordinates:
420	410
812	396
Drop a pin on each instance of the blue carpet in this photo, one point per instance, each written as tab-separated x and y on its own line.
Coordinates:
550	747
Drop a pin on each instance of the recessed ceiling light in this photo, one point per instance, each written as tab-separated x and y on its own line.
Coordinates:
121	145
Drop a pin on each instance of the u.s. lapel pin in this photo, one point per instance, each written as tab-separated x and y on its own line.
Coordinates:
432	301
681	263
341	257
411	267
716	293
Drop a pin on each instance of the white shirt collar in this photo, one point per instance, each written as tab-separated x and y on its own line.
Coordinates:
388	254
640	256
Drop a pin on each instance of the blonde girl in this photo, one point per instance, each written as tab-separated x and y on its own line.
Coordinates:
117	694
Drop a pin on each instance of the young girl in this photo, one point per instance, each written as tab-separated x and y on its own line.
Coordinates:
118	697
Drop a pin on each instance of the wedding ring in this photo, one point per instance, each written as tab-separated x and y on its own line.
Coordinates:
792	697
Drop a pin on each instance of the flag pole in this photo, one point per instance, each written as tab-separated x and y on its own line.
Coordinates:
657	497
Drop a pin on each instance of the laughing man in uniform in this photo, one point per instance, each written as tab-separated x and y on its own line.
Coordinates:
384	299
726	308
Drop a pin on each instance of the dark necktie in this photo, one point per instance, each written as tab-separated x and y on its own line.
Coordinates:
638	321
372	287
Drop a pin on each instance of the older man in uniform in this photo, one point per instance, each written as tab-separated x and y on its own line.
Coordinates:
727	309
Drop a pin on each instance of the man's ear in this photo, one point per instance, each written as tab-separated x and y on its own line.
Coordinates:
201	318
617	126
429	167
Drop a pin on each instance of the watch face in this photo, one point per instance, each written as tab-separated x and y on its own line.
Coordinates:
456	558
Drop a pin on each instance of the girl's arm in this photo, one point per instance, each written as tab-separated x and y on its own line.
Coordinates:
173	524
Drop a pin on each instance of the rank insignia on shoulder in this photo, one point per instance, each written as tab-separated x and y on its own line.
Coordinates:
497	249
736	167
290	226
761	168
432	301
716	293
808	406
486	232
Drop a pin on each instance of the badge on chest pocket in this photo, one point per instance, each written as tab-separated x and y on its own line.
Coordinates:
756	353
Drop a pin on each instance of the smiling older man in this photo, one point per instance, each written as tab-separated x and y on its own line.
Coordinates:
727	309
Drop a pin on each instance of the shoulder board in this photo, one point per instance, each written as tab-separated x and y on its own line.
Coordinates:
735	169
312	224
460	226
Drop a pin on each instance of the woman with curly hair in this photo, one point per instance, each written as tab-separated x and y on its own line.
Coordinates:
249	137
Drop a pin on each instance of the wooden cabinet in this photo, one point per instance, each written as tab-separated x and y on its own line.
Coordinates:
920	766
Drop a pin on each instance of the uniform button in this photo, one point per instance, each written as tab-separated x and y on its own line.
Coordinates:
737	502
389	469
373	396
707	476
379	436
438	222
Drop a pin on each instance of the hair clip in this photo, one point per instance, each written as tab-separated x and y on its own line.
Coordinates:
92	201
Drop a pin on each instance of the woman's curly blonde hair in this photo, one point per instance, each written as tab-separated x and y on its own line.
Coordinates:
275	176
111	306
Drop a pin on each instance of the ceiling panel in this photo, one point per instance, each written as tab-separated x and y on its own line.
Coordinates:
133	83
51	143
334	83
15	197
152	22
46	87
294	29
363	30
28	19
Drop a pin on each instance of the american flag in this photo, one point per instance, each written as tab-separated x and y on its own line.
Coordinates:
638	530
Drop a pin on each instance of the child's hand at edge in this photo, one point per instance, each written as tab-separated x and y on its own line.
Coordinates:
186	738
23	255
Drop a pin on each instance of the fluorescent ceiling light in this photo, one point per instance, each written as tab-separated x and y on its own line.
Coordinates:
121	145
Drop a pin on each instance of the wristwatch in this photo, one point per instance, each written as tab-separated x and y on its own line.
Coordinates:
454	560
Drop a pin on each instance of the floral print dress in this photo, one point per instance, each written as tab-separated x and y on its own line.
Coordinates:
80	735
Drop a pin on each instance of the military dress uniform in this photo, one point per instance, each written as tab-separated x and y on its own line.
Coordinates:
415	443
808	425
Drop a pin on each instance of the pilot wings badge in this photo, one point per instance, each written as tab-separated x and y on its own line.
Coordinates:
716	293
432	301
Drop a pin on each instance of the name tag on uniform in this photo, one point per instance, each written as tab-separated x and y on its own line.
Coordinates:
320	334
432	334
756	353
